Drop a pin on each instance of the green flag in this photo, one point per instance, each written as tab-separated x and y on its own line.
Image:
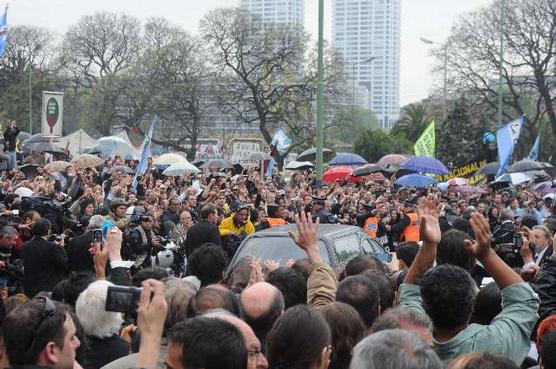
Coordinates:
426	145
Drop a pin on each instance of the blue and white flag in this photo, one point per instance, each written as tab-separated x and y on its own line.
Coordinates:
142	167
281	141
506	137
534	153
271	164
3	30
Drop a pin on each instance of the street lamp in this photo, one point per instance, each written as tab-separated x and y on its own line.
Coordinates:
29	66
445	88
366	61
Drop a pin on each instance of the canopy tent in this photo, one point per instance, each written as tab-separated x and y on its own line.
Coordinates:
78	141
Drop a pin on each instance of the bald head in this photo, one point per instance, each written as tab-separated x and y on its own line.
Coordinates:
262	304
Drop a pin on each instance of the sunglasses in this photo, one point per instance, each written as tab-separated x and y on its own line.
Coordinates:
48	310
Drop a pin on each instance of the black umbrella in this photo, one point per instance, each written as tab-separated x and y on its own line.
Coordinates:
38	137
29	169
490	169
198	163
218	164
527	165
311	155
367	169
43	147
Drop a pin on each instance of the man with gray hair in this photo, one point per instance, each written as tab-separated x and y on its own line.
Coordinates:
79	256
405	319
401	349
8	239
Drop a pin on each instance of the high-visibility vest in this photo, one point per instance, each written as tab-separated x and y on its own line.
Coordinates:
411	232
371	226
273	222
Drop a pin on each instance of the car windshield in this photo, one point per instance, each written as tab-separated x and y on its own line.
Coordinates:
347	247
279	249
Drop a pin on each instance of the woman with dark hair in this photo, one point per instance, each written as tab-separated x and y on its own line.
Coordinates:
347	330
300	339
494	217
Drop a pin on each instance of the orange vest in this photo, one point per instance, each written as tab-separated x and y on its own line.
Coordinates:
411	232
273	222
371	226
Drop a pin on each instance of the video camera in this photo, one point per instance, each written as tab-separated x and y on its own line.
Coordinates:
56	212
507	243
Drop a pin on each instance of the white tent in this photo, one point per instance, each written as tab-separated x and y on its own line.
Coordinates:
77	141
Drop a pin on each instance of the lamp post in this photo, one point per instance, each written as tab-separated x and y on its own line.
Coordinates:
368	60
29	66
445	87
501	62
320	97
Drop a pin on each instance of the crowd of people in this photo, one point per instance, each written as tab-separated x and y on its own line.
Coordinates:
472	284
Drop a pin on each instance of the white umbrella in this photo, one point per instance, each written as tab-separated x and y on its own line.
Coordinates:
299	165
169	159
515	178
180	169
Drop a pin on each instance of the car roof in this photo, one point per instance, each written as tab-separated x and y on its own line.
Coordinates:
325	230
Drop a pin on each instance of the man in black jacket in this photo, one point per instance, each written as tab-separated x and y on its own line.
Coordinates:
79	256
45	263
205	231
10	137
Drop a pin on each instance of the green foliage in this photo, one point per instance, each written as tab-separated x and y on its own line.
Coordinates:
415	119
346	123
373	143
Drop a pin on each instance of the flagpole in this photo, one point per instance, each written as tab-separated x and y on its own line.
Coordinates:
501	62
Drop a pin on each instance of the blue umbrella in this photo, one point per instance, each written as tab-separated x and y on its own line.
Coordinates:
415	180
346	158
424	164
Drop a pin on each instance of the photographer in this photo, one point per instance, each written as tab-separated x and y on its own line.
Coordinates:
45	262
142	242
507	240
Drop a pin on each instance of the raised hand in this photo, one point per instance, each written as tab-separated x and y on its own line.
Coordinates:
429	210
481	246
306	236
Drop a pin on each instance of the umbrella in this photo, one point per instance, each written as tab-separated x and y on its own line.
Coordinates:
311	155
42	147
218	164
299	165
258	156
58	166
415	180
345	158
515	178
391	159
376	177
468	189
424	164
38	137
527	165
336	173
86	161
457	182
112	145
365	170
23	136
546	187
198	163
169	159
180	169
95	150
490	169
29	169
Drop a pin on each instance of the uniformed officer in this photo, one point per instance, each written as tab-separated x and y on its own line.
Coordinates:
320	212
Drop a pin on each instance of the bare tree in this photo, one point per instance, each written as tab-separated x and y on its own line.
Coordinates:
528	67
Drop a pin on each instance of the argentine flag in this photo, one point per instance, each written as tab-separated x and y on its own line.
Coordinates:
506	137
534	153
142	167
3	30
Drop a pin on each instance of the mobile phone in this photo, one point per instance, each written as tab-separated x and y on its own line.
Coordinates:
97	236
15	212
123	299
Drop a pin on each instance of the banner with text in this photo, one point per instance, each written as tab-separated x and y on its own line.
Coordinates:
426	145
468	171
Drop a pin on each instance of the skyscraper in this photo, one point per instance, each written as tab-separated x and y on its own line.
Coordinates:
277	11
367	33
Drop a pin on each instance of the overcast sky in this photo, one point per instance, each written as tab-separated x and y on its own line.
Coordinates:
431	19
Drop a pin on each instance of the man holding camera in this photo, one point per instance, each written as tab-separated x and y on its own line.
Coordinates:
78	250
141	242
45	262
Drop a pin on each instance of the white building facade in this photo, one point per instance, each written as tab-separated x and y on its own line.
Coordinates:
288	12
367	33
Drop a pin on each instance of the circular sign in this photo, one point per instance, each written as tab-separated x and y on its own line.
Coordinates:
52	112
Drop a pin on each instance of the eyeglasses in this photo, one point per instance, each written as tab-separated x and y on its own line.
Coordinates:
254	354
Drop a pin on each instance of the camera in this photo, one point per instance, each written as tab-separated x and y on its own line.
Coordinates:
507	244
122	299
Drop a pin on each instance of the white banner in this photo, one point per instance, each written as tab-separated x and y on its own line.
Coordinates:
52	113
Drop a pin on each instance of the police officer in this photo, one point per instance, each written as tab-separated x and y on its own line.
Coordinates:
408	226
320	212
273	218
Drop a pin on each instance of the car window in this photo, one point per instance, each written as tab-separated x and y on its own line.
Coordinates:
347	247
279	249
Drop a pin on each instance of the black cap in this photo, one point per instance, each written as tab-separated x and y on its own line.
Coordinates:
368	206
409	204
272	207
